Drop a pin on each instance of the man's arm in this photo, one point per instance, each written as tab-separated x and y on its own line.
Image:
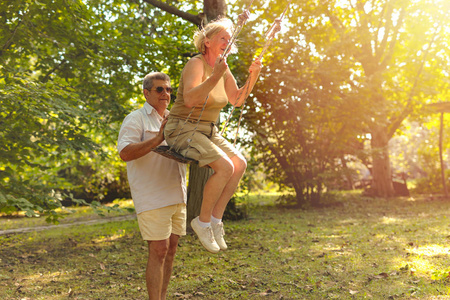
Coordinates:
136	150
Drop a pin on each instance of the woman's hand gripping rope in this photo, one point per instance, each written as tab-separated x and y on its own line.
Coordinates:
242	19
273	30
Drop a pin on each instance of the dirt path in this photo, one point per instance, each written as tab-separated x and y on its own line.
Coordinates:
89	222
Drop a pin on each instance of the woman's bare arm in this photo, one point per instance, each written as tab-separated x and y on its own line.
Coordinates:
195	91
237	96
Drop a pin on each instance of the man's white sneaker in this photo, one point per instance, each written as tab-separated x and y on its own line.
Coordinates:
218	235
206	236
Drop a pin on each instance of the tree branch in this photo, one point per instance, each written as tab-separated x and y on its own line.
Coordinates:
379	50
9	41
390	53
365	55
383	13
395	123
195	19
46	77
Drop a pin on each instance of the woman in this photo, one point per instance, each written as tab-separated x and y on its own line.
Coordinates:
206	77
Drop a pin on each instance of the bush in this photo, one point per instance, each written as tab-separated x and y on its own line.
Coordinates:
432	184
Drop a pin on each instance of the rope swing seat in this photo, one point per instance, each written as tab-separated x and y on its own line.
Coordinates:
169	151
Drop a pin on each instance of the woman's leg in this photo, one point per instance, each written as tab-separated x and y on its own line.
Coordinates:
223	170
214	187
239	166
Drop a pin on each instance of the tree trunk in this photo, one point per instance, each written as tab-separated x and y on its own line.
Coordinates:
197	180
214	9
441	138
381	168
300	193
347	173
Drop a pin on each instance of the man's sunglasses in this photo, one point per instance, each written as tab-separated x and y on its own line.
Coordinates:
160	89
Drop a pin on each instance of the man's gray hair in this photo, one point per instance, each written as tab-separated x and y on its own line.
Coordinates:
148	79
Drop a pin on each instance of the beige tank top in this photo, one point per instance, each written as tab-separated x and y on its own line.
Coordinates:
217	98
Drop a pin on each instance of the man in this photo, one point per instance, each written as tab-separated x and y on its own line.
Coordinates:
157	184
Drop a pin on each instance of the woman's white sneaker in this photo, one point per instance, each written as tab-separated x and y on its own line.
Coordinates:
219	232
206	236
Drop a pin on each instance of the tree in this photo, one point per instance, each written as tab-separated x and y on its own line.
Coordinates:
397	61
304	114
343	70
70	73
42	119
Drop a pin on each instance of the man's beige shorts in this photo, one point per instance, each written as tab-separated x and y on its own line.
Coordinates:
203	144
159	224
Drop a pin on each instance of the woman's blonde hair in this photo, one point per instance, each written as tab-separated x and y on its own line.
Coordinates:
209	31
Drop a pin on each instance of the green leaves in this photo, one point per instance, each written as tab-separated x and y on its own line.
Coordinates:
339	72
47	116
70	71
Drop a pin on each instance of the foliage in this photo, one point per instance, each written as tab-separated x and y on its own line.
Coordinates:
339	71
34	140
416	152
305	116
237	208
364	248
431	184
70	71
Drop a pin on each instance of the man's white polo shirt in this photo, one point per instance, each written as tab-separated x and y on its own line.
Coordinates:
155	181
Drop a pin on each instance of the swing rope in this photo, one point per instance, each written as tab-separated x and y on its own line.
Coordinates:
270	35
168	151
236	32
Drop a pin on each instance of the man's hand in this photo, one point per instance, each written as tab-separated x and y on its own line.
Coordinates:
161	130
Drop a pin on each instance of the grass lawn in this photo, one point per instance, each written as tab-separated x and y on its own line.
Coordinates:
69	215
357	248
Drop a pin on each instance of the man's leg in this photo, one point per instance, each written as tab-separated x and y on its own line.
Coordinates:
155	267
168	264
